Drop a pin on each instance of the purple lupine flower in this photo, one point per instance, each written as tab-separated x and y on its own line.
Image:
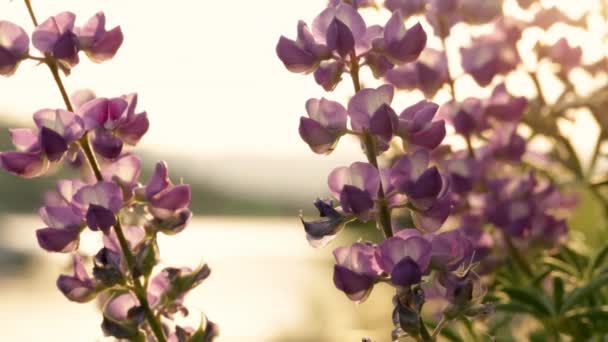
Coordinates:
480	11
422	184
125	172
547	17
467	116
320	232
356	270
342	22
57	130
370	110
164	199
407	7
463	171
14	47
79	287
482	242
169	287
504	107
405	256
398	44
450	250
562	54
492	54
460	289
304	54
506	143
99	203
510	205
114	121
442	15
62	233
428	74
329	74
416	125
55	37
354	3
100	45
432	218
325	124
356	187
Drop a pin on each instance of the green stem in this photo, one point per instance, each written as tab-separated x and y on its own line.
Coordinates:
384	212
439	327
139	289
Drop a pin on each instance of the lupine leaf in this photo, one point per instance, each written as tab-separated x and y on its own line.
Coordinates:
577	295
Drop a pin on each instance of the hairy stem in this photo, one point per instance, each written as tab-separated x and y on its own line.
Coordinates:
384	212
139	289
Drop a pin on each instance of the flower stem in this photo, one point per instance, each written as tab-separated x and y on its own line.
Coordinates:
439	327
384	212
139	289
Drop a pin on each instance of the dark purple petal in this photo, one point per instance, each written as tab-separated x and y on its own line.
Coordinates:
53	145
366	102
58	239
46	34
320	232
165	203
100	218
450	250
382	122
340	38
67	124
320	139
505	107
406	46
106	46
329	114
294	57
14	46
432	219
406	273
430	137
361	175
159	180
23	164
79	287
329	74
427	186
347	14
393	250
356	286
104	194
107	145
356	201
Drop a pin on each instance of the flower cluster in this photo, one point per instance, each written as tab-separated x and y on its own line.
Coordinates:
451	216
139	301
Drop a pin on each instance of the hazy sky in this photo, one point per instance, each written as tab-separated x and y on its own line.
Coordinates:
207	74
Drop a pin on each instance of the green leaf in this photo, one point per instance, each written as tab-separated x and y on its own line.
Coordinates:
577	295
599	258
451	335
558	293
560	265
516	308
424	333
536	300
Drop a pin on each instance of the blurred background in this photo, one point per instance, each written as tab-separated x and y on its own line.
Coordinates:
224	115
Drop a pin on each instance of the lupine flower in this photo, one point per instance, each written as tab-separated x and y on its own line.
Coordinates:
562	54
467	116
504	107
99	203
449	250
416	125
506	143
481	241
329	74
370	110
405	257
171	285
100	45
56	37
428	74
442	15
302	55
398	44
325	124
164	199
407	7
57	129
336	26
80	287
425	189
547	17
356	187
356	270
492	54
461	289
319	233
480	11
125	172
114	121
64	224
354	3
14	47
463	171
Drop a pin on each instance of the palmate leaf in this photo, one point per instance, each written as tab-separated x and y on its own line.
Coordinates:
577	295
538	303
599	259
596	318
560	265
